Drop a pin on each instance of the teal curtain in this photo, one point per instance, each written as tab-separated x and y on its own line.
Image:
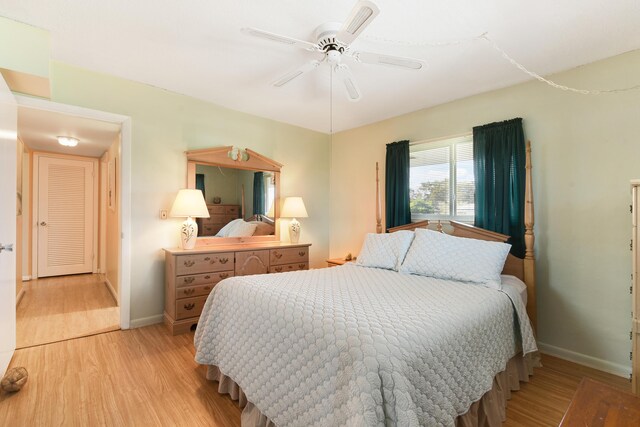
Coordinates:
499	167
397	184
200	184
258	194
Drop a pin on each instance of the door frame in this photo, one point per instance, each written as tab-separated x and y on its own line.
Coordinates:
35	205
125	187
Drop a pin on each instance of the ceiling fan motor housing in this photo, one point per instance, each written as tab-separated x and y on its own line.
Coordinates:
327	42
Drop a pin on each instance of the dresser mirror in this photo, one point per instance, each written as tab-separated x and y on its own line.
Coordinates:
242	192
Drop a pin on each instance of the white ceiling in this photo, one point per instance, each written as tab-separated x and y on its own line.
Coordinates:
38	129
196	48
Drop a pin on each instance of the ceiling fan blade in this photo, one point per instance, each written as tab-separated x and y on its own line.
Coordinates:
394	61
311	65
344	75
361	15
266	35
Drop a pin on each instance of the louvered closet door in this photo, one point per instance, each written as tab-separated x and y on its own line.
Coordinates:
65	216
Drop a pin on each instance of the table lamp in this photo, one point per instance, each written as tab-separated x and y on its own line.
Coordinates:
294	208
189	204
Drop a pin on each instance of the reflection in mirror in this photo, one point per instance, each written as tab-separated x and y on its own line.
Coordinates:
233	194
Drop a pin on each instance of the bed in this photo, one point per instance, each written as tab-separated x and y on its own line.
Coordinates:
363	346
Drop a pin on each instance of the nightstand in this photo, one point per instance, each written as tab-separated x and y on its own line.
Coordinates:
336	261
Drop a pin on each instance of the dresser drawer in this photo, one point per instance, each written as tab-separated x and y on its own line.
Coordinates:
289	267
189	307
288	256
215	210
208	230
190	264
194	291
232	211
202	279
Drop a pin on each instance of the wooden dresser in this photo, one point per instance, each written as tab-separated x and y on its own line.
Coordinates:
190	275
220	215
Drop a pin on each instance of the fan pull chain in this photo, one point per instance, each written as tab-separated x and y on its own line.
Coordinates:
331	101
508	58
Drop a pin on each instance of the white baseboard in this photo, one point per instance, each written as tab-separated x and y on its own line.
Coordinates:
19	296
583	359
5	359
26	278
114	294
146	321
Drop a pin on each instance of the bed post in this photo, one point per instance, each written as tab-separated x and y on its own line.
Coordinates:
529	257
378	206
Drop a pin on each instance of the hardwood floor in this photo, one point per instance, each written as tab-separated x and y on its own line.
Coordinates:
146	377
59	308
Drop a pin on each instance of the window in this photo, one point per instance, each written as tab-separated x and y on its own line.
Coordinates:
441	180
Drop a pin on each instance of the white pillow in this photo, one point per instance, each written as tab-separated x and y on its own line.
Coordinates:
224	231
442	256
385	250
242	229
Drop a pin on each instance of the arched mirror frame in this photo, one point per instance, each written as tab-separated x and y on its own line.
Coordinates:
219	156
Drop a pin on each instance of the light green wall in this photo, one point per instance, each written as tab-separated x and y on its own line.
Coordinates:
32	56
165	125
221	182
585	151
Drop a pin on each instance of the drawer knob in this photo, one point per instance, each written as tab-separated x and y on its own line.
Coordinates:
189	291
277	255
278	269
207	277
302	265
189	306
302	253
224	260
224	275
189	280
213	261
207	258
189	263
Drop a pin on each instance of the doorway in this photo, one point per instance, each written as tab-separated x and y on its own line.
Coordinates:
73	238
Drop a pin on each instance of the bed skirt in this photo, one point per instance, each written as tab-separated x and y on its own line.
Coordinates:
489	411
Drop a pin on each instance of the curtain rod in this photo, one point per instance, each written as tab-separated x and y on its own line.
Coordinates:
424	141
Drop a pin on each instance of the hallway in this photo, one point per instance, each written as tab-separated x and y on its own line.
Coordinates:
64	307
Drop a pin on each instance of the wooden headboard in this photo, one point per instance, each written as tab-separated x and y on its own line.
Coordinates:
524	269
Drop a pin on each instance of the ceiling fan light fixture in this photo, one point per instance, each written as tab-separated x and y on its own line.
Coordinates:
68	141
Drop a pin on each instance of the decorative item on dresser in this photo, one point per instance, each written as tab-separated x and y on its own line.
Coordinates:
634	289
190	275
189	203
294	208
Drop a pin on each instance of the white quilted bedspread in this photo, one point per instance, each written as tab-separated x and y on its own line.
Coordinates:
355	346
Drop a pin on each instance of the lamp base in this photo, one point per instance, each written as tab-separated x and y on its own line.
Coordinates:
188	233
294	231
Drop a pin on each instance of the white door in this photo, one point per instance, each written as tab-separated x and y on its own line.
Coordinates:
65	216
8	160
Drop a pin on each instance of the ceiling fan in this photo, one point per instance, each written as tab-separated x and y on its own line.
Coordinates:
334	40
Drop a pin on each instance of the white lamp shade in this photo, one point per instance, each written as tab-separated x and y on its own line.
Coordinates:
294	208
189	203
